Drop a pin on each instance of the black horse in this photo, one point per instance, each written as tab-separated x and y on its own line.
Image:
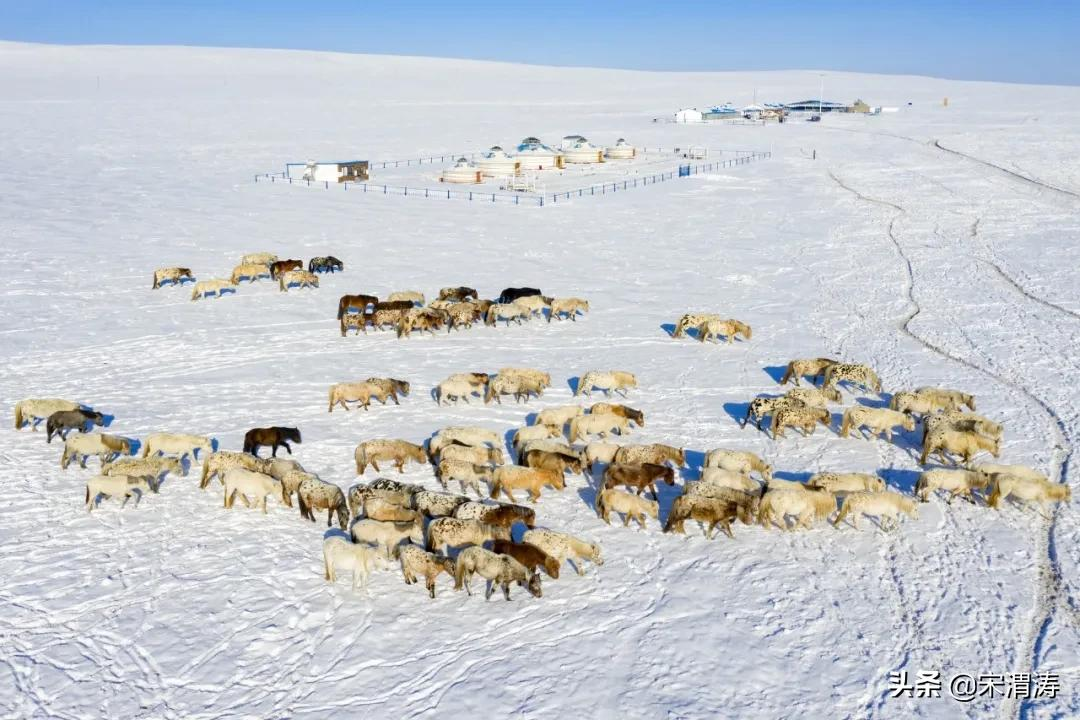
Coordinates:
270	437
63	422
509	295
328	264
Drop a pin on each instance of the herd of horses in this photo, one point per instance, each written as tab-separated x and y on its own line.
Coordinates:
416	525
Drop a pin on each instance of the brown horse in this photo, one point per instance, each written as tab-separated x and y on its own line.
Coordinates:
270	437
356	302
281	266
639	477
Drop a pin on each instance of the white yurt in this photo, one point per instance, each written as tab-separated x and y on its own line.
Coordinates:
496	163
583	152
690	115
535	155
621	150
462	172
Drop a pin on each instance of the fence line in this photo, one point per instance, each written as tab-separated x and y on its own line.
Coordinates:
742	157
452	157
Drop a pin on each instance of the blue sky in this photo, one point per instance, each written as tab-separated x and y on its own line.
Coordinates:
1032	41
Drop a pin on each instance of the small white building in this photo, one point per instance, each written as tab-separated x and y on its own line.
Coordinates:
535	155
689	115
496	163
621	150
463	171
341	171
753	112
583	152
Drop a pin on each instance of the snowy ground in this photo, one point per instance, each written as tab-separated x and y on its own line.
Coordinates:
932	266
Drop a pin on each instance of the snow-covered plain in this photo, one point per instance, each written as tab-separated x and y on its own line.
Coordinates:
932	266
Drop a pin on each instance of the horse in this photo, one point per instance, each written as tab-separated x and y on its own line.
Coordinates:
509	295
327	263
271	437
280	266
62	422
354	302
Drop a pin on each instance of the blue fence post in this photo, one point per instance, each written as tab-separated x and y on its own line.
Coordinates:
447	194
406	191
470	194
492	197
327	183
516	198
384	190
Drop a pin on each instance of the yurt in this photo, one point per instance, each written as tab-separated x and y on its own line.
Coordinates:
692	115
535	155
462	172
496	163
621	150
583	152
570	141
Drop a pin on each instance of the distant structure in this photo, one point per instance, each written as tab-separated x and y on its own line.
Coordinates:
347	171
570	141
721	112
753	112
859	107
621	150
689	115
582	152
814	106
463	171
535	155
496	163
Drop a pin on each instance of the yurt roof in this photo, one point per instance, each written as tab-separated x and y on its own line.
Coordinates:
532	145
581	144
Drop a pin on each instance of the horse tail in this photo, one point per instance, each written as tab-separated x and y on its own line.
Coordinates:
845	427
496	486
774	424
19	414
145	448
920	488
845	510
788	373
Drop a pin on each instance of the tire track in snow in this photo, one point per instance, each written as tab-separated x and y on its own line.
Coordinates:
1011	173
1050	592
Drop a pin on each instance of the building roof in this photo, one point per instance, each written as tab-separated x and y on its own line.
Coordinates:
816	103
